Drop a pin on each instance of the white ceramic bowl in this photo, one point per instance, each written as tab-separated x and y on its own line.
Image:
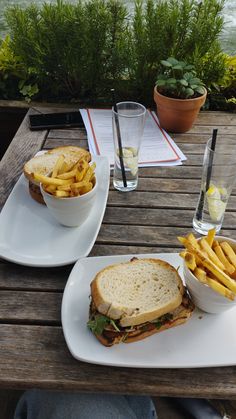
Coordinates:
70	212
205	297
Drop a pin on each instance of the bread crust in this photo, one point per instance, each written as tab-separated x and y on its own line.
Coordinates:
122	313
35	193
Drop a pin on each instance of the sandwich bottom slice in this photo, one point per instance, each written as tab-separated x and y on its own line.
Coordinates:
133	300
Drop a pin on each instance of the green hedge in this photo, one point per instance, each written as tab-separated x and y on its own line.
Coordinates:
79	51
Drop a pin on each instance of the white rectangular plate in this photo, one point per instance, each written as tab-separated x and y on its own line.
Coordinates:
29	235
206	340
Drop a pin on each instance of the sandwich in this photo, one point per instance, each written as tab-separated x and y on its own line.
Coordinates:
44	164
133	300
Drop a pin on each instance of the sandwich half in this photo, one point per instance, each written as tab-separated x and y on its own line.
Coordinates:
45	163
133	300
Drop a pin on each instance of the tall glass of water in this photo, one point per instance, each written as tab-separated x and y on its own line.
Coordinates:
128	124
218	179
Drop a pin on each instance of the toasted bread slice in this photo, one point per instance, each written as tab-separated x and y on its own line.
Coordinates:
44	163
138	291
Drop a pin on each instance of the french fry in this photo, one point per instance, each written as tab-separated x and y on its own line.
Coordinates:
66	188
205	246
182	240
190	237
88	187
191	247
190	261
67	175
64	168
81	173
210	236
50	188
90	172
78	185
233	275
62	194
220	275
221	289
229	252
200	274
183	253
58	166
45	180
228	266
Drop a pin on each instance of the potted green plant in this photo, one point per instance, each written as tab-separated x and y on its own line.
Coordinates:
179	94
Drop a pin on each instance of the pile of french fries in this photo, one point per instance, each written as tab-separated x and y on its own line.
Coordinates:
66	181
211	262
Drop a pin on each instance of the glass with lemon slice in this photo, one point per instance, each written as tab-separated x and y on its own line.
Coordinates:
218	178
128	124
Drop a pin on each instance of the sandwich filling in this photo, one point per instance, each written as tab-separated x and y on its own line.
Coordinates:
109	331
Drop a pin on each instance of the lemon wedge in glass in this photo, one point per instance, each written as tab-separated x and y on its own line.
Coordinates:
216	206
130	156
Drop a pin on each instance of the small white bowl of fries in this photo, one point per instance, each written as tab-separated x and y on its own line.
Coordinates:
210	271
69	195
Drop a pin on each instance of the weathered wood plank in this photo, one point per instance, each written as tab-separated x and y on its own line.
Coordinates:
30	307
196	138
216	118
207	129
175	172
39	279
134	235
157	217
113	249
168	185
46	363
193	160
159	200
24	145
52	143
67	134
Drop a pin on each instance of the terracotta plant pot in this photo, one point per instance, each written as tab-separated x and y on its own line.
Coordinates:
177	115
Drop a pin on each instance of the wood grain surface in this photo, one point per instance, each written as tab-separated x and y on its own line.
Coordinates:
33	352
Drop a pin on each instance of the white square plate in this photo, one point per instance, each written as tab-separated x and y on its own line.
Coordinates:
206	340
29	235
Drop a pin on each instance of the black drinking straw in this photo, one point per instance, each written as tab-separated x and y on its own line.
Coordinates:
208	177
119	139
210	163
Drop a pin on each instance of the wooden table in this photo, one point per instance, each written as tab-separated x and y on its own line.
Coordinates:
33	352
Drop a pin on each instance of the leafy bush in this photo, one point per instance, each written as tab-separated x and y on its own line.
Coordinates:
223	95
71	50
79	51
179	80
11	70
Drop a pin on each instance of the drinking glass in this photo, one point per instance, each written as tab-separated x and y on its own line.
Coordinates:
218	178
128	123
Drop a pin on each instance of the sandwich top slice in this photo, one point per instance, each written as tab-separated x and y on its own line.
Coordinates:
133	300
45	163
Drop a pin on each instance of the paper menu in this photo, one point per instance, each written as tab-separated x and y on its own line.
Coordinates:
157	147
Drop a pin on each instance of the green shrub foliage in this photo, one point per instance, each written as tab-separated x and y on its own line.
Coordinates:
79	51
